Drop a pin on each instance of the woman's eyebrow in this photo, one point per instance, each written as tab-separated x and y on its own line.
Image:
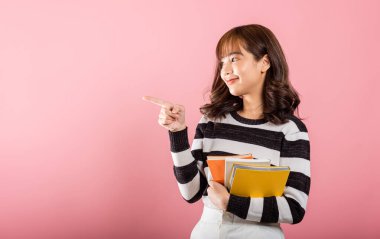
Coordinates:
235	52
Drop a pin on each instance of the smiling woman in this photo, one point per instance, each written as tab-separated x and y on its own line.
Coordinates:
252	55
251	111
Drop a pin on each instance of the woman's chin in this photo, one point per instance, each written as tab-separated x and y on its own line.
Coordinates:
234	93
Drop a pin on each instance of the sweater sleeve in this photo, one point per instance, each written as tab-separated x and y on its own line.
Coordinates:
291	206
188	162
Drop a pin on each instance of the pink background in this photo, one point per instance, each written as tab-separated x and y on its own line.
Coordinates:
82	155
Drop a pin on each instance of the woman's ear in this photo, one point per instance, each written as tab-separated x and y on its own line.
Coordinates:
265	63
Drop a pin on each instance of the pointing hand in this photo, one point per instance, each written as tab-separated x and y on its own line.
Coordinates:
172	116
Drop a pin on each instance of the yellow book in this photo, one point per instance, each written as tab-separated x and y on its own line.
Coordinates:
266	181
234	161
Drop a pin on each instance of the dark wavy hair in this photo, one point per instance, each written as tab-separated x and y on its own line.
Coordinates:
280	99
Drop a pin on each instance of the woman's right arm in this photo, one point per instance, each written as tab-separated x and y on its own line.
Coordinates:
188	163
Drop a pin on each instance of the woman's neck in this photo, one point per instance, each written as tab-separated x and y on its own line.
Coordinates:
252	107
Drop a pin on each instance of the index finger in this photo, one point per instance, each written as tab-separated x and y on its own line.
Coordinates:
157	101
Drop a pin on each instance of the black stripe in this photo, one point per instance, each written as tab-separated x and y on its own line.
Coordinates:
270	210
198	155
205	191
261	137
297	149
295	208
185	174
218	153
300	125
243	120
238	205
199	130
178	141
299	181
253	131
202	189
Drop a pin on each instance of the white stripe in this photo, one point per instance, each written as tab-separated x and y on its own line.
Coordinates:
300	165
255	210
200	168
297	195
208	174
203	120
267	126
290	128
287	128
297	136
284	213
188	190
182	158
235	147
197	144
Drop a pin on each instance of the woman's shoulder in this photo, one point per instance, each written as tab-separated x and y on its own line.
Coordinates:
205	119
295	124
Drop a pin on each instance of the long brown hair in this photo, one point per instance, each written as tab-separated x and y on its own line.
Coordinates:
280	99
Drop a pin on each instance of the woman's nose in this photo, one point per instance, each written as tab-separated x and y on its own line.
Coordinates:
226	69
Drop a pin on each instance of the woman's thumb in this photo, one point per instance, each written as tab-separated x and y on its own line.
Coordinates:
211	184
175	109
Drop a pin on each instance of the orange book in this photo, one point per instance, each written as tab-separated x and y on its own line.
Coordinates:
216	164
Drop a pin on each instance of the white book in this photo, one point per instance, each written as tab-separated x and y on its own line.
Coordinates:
252	162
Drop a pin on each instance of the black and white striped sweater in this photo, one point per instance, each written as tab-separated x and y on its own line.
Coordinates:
285	144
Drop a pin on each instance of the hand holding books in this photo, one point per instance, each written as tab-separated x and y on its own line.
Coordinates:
218	195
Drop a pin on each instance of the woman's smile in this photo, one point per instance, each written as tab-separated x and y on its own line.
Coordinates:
230	82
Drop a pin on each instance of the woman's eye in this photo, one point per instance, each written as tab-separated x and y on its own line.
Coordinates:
232	59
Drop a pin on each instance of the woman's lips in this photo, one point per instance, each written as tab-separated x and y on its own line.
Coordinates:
230	82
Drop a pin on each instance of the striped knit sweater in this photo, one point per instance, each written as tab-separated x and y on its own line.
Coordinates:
285	144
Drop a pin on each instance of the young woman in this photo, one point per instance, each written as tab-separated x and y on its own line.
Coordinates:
251	110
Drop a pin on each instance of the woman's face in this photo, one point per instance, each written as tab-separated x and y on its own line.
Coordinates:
242	73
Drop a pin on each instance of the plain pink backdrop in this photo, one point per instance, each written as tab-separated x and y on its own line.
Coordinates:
82	155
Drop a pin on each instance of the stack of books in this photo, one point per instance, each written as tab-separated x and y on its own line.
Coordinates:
247	176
